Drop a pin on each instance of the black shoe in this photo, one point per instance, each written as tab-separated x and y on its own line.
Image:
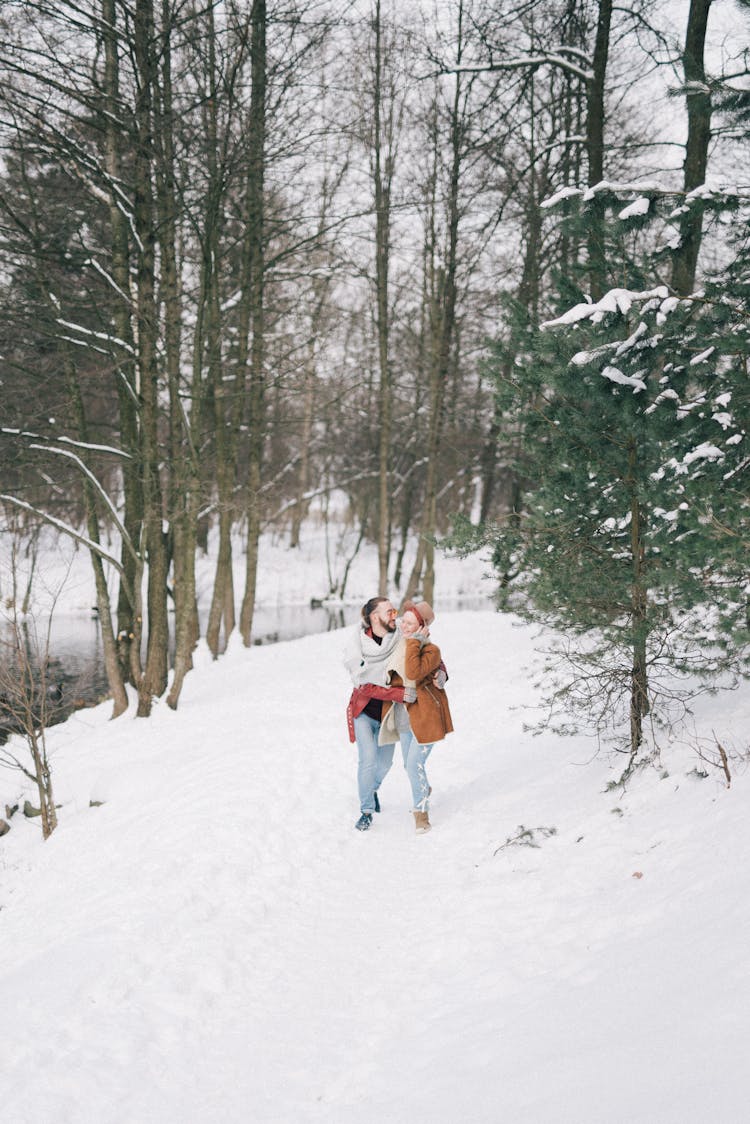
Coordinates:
377	802
364	822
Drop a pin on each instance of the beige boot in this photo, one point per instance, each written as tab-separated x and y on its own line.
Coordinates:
422	822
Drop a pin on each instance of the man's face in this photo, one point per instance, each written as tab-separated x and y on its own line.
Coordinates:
385	614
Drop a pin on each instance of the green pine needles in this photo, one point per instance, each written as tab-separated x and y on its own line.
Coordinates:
631	418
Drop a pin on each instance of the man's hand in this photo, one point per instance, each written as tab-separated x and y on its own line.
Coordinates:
410	694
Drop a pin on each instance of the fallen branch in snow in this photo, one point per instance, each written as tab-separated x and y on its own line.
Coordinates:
724	762
524	837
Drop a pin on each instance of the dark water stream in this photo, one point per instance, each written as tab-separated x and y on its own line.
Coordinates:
75	673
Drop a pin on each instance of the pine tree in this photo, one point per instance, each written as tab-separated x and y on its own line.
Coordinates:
632	544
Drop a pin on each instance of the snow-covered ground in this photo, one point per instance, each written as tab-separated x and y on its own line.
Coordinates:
216	943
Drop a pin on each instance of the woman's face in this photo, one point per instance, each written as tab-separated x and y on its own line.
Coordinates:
409	623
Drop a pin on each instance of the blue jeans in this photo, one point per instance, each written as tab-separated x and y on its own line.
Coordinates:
374	760
415	756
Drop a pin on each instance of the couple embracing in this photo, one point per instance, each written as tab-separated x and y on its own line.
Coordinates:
399	680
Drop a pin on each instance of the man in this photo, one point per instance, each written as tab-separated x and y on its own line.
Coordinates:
367	659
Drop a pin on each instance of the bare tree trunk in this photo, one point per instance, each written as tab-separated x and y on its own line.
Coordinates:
321	284
527	303
34	548
256	265
382	182
224	397
303	474
184	476
128	627
154	679
227	412
222	600
44	783
639	700
112	664
595	150
407	505
443	333
698	98
429	344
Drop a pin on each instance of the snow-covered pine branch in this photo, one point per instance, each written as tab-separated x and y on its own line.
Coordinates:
614	187
644	192
616	300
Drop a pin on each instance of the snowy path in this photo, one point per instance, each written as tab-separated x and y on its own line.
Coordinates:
215	943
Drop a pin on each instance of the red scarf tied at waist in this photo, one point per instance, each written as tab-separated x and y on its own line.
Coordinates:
362	695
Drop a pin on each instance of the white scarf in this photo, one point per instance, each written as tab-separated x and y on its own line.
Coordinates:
396	717
366	660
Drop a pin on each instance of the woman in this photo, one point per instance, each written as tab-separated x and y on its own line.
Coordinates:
417	663
368	659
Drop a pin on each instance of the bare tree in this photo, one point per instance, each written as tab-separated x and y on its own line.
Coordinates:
26	697
254	287
442	289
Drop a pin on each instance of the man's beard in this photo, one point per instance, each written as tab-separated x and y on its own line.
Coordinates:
391	625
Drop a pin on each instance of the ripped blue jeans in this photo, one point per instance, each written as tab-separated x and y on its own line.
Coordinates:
415	757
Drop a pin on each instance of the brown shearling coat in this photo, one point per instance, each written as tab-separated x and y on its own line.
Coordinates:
429	716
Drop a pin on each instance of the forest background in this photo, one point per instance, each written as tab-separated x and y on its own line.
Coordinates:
480	270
